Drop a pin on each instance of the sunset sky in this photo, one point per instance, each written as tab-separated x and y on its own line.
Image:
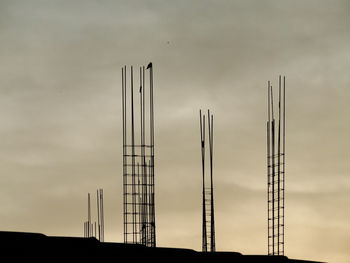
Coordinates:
60	116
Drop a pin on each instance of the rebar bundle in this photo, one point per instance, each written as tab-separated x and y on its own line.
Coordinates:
208	220
276	170
138	158
95	229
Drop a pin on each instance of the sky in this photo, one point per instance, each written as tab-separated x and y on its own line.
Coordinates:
60	116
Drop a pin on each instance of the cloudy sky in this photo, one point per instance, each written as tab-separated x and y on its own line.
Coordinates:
60	116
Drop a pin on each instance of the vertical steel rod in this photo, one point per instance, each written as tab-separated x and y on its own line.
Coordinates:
89	216
204	227
124	154
284	155
273	170
98	214
212	220
134	237
268	190
102	218
279	167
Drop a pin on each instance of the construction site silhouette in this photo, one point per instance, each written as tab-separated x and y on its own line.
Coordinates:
138	179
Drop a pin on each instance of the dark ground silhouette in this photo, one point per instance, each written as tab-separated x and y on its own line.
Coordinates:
33	247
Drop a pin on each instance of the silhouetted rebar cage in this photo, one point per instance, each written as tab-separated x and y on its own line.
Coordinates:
276	170
208	219
138	157
95	229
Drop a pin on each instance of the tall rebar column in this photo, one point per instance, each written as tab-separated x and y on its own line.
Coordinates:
208	219
276	169
138	158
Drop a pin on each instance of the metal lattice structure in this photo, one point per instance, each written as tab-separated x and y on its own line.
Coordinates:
138	157
208	219
276	169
